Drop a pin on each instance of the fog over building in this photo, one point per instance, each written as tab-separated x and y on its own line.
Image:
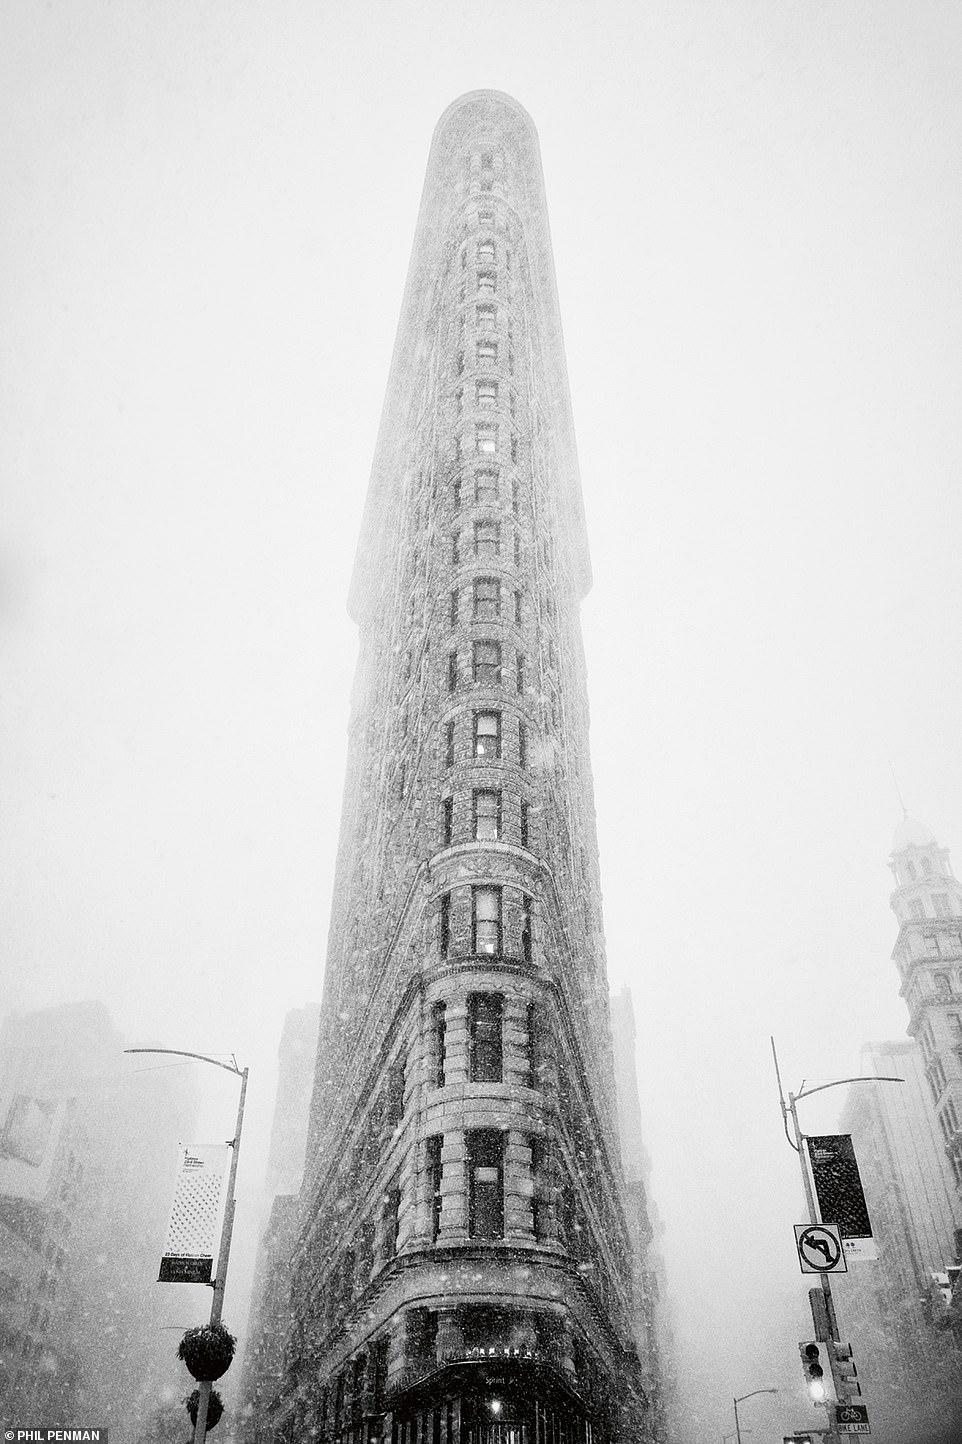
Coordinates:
87	1151
464	1253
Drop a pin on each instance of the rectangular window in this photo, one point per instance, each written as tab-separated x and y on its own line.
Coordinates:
447	821
394	1093
390	1210
487	663
487	538
487	352
454	607
519	671
525	825
455	548
459	400
459	363
486	318
940	901
449	744
487	920
438	1035
535	1050
539	1185
434	1145
444	925
486	438
514	448
487	735
487	814
487	599
486	488
526	917
510	362
485	1012
485	1149
487	394
514	496
517	609
486	220
452	671
522	745
486	250
486	283
517	548
931	944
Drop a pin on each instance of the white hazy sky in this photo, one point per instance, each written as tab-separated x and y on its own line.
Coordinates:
757	219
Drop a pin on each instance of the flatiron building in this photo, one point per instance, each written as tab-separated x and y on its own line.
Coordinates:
462	1266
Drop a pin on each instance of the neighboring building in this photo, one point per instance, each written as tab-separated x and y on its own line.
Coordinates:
87	1147
463	1264
261	1362
654	1334
910	1368
928	954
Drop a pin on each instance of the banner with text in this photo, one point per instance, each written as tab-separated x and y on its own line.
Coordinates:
192	1234
838	1189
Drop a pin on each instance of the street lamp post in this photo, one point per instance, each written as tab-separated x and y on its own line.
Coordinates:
740	1400
789	1110
219	1281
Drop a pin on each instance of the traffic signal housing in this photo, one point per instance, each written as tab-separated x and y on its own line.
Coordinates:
844	1372
810	1355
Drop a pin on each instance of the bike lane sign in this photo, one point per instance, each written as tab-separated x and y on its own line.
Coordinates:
820	1249
851	1419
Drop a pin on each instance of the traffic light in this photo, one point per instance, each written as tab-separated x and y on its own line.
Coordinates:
844	1371
809	1354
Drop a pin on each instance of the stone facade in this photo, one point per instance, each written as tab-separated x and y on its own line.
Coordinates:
463	1261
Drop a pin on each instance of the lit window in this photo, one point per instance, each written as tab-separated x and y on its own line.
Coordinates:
447	821
486	663
485	1149
487	920
487	393
487	599
487	814
487	353
487	734
486	488
486	282
486	438
486	250
487	538
484	1037
486	317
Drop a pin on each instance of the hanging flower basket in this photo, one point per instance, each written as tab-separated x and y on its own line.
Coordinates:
215	1408
207	1351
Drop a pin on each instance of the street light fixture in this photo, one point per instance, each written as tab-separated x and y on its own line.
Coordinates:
219	1282
740	1400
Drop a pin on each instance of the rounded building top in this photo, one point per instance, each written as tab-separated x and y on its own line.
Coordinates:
911	833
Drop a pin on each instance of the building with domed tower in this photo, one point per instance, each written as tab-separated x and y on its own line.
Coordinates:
927	902
463	1260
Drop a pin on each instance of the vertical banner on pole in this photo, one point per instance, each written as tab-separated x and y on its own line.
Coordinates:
191	1243
838	1188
